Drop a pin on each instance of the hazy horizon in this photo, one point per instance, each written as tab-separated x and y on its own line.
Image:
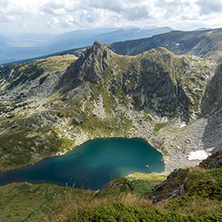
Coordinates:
60	16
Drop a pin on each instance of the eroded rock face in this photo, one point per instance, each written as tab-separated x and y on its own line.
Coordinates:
214	161
213	96
173	187
163	84
89	67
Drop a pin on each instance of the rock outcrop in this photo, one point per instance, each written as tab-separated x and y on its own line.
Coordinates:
213	161
162	84
212	99
173	187
89	67
186	181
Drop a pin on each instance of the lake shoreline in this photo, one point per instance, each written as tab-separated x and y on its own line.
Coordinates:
171	162
120	156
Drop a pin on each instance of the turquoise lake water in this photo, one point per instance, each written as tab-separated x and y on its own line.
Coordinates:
91	165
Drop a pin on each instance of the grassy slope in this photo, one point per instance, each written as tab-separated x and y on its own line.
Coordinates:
17	147
22	201
32	70
144	183
201	203
117	202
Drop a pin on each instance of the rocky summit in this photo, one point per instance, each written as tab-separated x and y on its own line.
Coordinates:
50	105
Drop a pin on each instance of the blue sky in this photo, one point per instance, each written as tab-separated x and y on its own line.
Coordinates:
57	16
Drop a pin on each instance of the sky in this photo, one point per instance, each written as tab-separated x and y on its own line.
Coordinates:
58	16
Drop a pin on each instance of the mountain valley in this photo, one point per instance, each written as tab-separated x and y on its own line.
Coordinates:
156	95
152	89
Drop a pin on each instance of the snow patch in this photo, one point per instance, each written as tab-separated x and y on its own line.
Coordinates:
198	155
182	124
210	32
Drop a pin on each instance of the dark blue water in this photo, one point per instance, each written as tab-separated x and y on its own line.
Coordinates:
91	165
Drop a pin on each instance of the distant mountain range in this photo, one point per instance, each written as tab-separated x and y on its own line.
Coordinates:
14	47
205	43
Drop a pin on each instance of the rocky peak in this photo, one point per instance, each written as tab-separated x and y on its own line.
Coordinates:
89	67
98	48
162	82
99	51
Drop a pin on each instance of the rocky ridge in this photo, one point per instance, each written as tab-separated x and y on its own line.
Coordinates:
164	84
204	44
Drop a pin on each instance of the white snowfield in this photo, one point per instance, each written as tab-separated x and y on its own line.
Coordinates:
200	154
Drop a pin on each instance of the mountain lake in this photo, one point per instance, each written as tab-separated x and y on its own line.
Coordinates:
91	165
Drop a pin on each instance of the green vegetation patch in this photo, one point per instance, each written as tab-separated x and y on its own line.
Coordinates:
144	183
147	176
118	211
158	127
131	209
27	141
28	202
55	63
206	183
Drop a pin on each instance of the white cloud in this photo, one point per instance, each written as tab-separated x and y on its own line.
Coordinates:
209	7
65	21
65	15
130	10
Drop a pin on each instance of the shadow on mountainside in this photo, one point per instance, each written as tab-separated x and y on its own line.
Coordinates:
212	110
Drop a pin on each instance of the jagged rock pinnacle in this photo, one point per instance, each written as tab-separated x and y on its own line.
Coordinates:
99	50
97	44
89	67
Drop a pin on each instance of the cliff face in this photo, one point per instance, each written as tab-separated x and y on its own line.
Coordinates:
212	99
89	67
162	83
